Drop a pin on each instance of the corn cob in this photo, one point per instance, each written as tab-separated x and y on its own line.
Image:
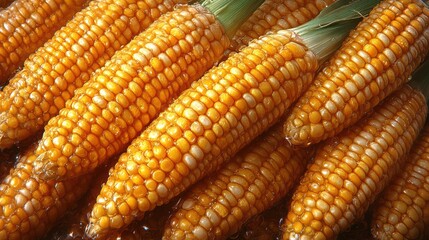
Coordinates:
350	170
25	25
399	212
50	76
274	15
374	61
253	181
30	207
130	91
157	166
207	124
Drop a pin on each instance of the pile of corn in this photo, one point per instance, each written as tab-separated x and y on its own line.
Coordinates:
214	119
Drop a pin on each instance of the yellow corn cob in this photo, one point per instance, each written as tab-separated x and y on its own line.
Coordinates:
377	58
123	97
350	170
205	126
26	24
399	211
222	112
274	15
30	207
50	76
253	181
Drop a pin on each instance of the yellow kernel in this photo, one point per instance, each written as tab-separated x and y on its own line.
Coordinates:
158	176
166	165
159	152
175	154
144	171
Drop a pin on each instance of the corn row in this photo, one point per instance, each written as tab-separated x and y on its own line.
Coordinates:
222	112
120	100
50	75
351	170
30	207
253	181
378	57
26	24
274	15
399	211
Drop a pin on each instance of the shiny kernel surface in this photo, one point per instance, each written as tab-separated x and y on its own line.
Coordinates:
29	207
373	61
130	91
349	172
268	160
50	76
405	199
233	119
274	15
25	25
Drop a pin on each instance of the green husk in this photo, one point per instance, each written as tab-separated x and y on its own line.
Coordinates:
231	13
325	33
420	79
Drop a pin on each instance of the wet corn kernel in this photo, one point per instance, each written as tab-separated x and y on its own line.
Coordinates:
268	160
274	15
335	201
30	207
26	25
67	61
122	77
234	126
399	213
375	60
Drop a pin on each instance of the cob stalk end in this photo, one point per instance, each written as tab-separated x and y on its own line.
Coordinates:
231	14
325	33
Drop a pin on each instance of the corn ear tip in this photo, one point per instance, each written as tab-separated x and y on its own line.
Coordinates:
45	171
92	231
